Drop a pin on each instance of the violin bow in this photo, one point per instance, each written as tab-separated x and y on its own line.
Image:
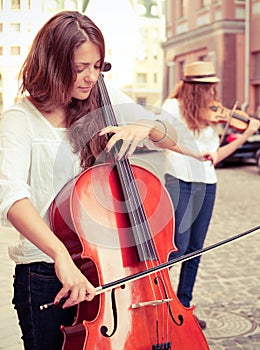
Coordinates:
120	282
227	124
168	264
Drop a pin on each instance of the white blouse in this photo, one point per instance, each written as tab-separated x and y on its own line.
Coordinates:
185	167
36	161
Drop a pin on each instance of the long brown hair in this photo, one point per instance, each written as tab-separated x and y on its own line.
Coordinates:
48	75
195	99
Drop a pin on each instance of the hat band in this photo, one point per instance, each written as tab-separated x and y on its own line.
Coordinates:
191	77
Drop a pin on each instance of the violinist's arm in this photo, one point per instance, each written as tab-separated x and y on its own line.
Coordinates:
34	228
224	151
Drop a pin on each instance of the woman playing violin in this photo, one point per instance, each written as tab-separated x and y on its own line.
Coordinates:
190	182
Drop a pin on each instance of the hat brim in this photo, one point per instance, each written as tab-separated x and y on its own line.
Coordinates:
202	80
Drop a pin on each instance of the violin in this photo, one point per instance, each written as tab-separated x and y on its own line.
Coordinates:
116	220
235	118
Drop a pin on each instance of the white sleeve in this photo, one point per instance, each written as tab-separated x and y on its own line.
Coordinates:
170	110
15	150
127	112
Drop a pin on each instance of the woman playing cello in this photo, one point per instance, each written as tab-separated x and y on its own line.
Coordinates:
38	139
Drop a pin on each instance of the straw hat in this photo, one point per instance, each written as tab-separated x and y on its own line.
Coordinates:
201	72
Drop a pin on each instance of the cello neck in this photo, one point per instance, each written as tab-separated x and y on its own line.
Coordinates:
139	224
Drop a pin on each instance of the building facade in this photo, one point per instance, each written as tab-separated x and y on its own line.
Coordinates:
19	22
224	32
134	31
147	81
133	42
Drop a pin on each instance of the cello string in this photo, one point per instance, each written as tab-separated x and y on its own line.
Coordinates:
141	218
145	226
131	195
133	202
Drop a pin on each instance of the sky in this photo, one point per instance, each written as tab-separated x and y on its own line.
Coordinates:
119	25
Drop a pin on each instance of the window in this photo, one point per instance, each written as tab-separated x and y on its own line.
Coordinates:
257	99
141	9
154	10
141	54
141	100
15	27
155	34
15	4
155	54
256	72
15	50
204	3
182	8
52	5
202	58
141	78
181	65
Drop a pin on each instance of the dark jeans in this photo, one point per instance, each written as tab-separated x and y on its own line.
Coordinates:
193	205
36	284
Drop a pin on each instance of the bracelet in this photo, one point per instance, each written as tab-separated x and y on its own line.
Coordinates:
165	132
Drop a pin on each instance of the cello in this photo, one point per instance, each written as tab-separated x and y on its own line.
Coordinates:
116	220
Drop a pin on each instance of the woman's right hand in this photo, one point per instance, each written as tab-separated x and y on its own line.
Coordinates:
211	156
76	287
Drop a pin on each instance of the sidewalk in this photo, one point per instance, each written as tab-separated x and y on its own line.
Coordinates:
9	329
226	293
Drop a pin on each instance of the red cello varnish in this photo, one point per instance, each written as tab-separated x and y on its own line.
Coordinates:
116	220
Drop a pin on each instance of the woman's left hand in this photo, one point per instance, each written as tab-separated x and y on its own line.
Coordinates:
253	126
211	156
130	135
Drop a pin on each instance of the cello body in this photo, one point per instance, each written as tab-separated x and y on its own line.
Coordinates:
90	216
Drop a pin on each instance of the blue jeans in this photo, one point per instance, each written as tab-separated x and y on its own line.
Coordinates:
193	205
36	284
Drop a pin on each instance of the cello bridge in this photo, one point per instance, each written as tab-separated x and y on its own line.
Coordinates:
150	303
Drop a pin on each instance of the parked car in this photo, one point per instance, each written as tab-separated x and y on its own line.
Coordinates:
258	159
250	150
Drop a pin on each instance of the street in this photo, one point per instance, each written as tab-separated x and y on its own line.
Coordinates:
227	290
226	293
